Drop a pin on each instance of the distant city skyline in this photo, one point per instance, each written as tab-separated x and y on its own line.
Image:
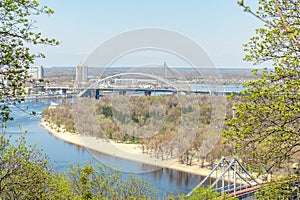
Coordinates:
219	27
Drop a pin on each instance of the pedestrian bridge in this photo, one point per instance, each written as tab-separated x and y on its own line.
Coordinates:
231	177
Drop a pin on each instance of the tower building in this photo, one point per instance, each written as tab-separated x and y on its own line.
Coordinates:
81	74
36	72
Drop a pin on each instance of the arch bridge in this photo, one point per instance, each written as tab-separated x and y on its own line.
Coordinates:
95	86
166	87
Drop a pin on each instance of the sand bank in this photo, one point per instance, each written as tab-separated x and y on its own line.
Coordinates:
120	150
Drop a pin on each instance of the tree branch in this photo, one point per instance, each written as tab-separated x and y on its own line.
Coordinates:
285	24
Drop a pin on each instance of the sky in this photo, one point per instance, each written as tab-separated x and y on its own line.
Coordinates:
220	27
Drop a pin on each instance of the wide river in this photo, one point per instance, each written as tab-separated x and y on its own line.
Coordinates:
62	153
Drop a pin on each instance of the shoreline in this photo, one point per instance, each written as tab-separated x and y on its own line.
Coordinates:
131	152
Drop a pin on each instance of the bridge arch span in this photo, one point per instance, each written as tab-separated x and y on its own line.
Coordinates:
124	74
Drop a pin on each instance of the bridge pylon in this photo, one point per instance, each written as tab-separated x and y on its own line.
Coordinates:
228	177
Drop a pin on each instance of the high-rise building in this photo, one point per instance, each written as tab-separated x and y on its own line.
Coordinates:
36	72
81	73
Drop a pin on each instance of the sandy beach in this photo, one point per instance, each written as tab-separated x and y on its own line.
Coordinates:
126	151
120	150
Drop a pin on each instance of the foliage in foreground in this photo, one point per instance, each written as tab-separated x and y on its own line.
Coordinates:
203	193
282	188
16	33
265	131
88	182
25	173
267	122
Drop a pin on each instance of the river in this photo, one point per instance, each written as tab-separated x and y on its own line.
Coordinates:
62	153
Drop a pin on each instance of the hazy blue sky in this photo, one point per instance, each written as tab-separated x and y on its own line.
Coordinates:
219	26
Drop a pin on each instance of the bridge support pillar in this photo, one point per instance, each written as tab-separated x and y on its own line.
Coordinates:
97	94
63	91
147	93
122	92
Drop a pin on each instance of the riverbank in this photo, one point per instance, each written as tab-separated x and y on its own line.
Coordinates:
125	151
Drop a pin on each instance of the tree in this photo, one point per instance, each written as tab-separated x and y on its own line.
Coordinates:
266	126
24	170
107	111
26	174
89	182
203	193
16	32
282	188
